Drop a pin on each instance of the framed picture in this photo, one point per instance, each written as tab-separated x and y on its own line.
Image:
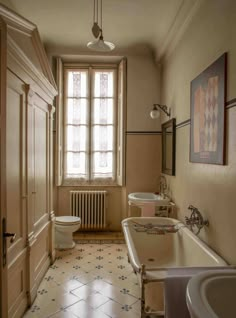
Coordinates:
207	129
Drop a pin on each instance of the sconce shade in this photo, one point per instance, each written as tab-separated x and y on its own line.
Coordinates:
155	113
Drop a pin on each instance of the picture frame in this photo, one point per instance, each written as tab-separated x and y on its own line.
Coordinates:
207	111
168	147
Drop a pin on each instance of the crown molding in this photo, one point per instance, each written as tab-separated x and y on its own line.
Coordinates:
13	21
183	19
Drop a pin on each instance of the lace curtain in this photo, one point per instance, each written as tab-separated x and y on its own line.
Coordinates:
90	125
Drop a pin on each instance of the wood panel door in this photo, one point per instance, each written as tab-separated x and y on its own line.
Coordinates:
16	196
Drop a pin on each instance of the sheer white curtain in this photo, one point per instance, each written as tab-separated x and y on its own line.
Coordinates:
90	123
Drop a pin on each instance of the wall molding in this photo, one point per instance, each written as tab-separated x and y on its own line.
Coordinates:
181	22
143	132
183	123
230	104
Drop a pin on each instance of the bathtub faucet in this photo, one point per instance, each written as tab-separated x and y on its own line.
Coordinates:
195	221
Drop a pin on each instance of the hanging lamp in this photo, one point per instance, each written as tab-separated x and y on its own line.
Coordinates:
99	44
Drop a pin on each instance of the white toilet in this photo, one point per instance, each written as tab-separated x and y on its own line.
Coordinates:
64	228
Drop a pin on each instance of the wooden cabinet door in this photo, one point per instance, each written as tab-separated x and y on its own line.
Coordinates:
16	195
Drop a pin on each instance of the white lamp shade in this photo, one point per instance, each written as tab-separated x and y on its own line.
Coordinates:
155	113
101	46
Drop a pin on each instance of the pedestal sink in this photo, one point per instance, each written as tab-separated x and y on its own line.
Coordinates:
212	294
147	201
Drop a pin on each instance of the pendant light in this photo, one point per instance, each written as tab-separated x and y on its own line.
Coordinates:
99	45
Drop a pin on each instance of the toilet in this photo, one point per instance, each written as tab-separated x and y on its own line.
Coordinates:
64	228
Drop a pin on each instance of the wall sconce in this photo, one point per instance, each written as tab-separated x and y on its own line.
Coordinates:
155	113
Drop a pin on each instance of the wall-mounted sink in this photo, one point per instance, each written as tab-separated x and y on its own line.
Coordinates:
147	201
148	197
211	294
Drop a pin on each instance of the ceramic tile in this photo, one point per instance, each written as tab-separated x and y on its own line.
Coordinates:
83	292
66	299
86	278
84	310
98	284
43	310
111	308
137	306
127	314
81	308
92	280
96	300
72	284
64	314
135	291
117	294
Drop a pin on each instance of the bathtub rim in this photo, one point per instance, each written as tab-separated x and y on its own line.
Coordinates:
183	228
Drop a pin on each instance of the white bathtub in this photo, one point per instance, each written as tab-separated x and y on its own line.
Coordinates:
151	255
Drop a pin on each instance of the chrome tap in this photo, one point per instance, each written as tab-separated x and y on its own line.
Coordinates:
195	221
162	185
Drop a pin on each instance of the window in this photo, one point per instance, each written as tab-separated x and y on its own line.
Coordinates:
90	123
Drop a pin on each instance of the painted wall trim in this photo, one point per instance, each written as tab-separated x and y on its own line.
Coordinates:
143	132
230	104
183	123
183	19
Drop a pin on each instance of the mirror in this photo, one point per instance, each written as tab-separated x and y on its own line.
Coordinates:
168	147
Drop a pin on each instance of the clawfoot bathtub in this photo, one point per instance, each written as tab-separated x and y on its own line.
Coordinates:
156	245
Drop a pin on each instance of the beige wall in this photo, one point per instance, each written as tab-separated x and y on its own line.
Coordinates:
143	165
211	188
7	3
143	85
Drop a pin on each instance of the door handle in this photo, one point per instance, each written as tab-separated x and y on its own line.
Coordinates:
12	235
5	234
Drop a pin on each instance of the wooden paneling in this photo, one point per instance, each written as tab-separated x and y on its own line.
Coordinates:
26	163
16	199
17	285
40	163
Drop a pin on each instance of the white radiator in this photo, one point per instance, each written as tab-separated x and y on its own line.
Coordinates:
90	206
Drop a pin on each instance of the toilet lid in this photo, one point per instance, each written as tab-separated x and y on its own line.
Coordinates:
67	220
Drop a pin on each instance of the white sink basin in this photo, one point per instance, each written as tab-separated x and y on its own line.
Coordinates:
212	294
147	198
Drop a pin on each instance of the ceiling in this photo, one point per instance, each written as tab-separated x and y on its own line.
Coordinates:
130	24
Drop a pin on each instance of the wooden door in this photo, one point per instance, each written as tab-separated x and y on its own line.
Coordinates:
16	196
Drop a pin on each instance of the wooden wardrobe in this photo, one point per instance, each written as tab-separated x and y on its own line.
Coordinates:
27	91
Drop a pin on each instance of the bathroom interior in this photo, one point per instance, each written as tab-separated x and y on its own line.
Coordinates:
162	49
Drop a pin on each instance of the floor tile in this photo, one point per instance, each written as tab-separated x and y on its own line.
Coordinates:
92	280
81	308
98	284
72	284
137	306
64	314
83	292
111	308
96	300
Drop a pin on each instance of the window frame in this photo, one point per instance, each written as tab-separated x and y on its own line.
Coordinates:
91	68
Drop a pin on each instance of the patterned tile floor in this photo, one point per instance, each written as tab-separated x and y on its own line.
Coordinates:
93	280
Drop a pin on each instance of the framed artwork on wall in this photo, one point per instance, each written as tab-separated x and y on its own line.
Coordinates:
207	129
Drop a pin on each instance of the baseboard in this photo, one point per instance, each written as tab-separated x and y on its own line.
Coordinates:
38	280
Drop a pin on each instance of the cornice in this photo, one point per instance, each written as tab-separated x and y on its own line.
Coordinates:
23	61
14	21
183	19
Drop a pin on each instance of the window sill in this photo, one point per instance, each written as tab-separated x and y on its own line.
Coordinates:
100	184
